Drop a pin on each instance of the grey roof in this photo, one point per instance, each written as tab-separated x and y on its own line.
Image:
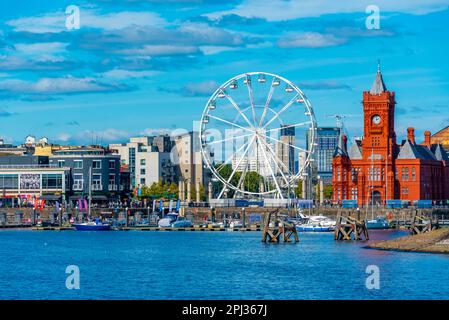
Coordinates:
379	85
440	153
355	152
410	150
341	148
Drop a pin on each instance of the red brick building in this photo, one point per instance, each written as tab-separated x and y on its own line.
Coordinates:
377	168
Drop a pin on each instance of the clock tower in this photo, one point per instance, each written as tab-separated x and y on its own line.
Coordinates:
378	110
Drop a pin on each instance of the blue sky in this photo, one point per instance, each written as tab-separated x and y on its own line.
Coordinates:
141	67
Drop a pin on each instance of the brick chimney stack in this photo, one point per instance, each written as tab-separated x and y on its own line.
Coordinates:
411	134
427	136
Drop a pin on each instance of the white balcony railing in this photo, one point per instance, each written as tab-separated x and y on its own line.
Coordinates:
77	186
97	187
112	187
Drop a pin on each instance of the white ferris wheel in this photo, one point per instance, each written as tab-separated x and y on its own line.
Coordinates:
257	135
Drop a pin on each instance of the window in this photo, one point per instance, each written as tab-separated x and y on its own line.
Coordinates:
61	163
111	164
374	174
413	174
142	181
96	164
78	164
354	174
9	181
405	190
78	182
142	162
51	181
111	182
354	193
405	174
96	182
142	171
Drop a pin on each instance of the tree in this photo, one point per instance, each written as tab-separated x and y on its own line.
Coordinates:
251	181
159	190
328	191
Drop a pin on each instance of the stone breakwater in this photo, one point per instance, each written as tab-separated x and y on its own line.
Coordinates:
436	241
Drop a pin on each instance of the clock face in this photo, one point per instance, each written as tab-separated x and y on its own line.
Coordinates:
376	119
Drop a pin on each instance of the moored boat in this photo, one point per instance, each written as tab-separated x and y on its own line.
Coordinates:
182	222
92	226
315	224
168	220
378	223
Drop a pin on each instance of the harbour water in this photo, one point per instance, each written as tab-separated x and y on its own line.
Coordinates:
210	265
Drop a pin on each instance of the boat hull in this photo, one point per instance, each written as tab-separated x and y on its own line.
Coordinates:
377	226
83	227
314	229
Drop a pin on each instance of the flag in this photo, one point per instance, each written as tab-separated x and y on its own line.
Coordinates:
57	206
85	204
80	204
170	206
36	203
178	205
42	205
161	206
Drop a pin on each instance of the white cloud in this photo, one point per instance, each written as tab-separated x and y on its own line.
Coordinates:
210	50
155	132
310	40
281	10
85	136
197	89
126	74
89	18
40	48
66	85
160	50
64	137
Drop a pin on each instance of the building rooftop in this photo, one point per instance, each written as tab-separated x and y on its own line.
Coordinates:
378	86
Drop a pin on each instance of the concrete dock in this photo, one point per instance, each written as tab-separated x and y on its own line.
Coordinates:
252	228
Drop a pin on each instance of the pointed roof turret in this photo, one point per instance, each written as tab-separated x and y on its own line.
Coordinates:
379	85
342	147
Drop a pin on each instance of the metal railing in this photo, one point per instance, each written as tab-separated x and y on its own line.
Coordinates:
31	166
97	187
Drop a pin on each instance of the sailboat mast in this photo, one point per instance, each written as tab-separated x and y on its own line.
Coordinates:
372	182
90	190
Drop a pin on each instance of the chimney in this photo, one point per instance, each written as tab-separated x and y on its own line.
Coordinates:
427	135
411	134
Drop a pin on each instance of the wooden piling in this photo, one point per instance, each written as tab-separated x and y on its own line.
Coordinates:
350	228
421	224
280	231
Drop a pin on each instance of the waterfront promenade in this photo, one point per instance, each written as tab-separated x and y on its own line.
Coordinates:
252	217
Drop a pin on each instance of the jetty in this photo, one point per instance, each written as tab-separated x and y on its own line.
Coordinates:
145	228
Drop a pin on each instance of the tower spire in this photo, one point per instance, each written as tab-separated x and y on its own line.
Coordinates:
379	85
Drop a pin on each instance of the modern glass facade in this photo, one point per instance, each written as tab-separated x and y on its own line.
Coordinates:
326	140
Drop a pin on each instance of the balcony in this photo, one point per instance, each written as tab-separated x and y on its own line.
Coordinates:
97	187
112	187
77	186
